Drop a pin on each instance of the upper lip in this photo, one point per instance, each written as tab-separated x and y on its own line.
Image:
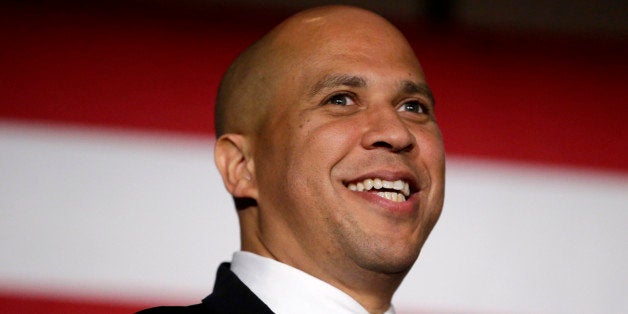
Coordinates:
412	180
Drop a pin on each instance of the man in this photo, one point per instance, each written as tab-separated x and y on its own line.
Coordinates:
328	143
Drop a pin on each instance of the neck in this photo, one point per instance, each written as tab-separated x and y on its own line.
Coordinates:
373	290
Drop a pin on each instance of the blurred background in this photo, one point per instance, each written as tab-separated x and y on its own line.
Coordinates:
110	202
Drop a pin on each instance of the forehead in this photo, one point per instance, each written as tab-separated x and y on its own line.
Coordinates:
356	68
313	54
365	55
344	49
351	37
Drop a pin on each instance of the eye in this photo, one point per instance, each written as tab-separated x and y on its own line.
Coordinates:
413	106
341	100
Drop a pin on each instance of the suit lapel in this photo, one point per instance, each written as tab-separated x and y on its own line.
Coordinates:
232	296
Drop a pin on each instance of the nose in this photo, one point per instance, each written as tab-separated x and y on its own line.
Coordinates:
386	129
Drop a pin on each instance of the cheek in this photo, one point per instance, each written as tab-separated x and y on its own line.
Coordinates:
326	144
317	151
432	150
433	159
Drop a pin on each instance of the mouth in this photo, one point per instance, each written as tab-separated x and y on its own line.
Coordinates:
396	191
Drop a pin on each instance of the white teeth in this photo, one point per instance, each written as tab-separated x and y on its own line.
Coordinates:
376	183
398	185
393	196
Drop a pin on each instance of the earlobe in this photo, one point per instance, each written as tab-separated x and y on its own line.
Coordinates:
235	165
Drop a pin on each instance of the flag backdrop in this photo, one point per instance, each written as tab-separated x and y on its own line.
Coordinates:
110	202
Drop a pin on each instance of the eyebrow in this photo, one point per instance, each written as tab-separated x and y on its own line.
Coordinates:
410	87
334	80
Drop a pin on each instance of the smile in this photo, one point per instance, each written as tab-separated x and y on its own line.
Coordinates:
396	191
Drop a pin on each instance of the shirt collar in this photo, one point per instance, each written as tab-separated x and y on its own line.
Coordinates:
285	289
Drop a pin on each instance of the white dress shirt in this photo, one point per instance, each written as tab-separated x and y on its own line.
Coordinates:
287	290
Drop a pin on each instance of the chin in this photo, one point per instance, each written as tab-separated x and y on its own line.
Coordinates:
389	261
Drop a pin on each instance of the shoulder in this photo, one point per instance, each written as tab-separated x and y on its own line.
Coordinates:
198	308
214	305
230	296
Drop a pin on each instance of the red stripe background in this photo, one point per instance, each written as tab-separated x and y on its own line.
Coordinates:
12	303
550	100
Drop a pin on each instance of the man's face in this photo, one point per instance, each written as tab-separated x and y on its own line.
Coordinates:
350	164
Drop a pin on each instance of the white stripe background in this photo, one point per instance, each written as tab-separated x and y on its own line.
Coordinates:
125	215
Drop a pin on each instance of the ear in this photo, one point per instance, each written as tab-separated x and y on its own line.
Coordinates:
233	160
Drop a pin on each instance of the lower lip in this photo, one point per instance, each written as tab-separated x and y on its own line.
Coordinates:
405	207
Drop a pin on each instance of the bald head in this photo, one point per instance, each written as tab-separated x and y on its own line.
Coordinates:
250	85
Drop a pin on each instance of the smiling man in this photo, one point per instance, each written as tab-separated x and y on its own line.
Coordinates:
328	143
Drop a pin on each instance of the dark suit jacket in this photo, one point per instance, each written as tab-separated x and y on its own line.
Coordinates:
230	296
